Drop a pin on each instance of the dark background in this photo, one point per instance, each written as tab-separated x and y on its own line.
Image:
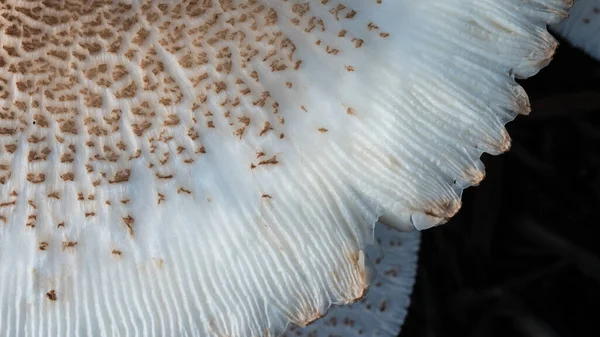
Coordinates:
522	257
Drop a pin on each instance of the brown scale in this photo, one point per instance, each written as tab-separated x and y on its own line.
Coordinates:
62	89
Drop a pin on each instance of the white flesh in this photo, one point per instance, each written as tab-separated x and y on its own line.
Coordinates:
382	311
215	168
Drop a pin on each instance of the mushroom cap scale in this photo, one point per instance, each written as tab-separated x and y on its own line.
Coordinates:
216	168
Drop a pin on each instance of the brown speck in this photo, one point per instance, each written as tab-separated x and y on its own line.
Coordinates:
183	190
266	128
36	179
129	221
116	252
270	161
51	295
43	245
372	26
121	176
11	148
68	244
31	221
322	130
8	203
244	120
331	50
69	176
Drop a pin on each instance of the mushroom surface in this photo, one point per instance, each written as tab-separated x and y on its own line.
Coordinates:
582	28
215	168
382	311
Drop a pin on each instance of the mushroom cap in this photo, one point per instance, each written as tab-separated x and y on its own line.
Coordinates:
215	168
382	311
582	28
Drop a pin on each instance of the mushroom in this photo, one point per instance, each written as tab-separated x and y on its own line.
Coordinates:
582	28
215	168
383	309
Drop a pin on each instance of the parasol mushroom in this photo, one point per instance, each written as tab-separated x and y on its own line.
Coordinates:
215	168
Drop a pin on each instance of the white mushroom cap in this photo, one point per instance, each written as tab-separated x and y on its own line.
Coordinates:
582	28
215	168
383	309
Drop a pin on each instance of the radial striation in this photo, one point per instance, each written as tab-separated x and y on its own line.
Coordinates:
381	312
215	168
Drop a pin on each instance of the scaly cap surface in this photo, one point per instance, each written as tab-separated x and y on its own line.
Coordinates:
215	168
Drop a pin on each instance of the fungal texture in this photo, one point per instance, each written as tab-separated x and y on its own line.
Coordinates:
381	312
215	168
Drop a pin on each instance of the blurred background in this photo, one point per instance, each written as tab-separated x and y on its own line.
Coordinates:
522	257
